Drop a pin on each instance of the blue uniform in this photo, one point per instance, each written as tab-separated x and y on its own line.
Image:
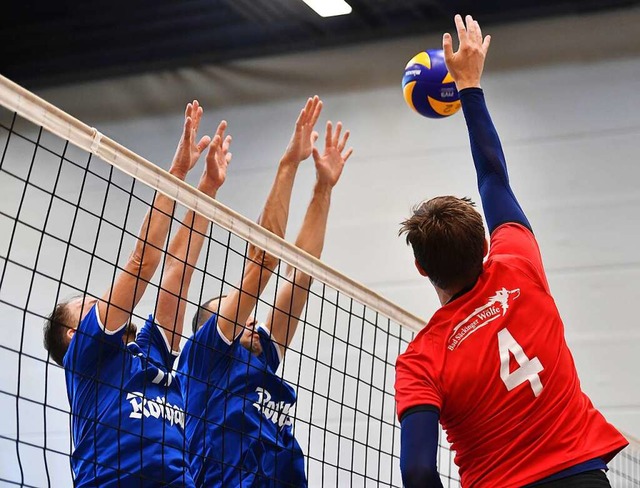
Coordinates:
127	409
238	423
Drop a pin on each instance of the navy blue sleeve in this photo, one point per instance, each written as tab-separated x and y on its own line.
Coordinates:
499	202
419	448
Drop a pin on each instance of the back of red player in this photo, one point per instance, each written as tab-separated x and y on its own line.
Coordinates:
492	366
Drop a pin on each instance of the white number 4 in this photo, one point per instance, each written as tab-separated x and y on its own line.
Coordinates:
528	370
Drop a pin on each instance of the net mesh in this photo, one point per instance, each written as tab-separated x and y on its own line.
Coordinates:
69	219
67	223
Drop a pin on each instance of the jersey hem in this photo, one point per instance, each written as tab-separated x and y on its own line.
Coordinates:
274	343
510	222
166	341
222	336
427	407
613	448
102	326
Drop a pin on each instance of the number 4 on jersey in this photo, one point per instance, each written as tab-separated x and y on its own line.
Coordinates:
529	368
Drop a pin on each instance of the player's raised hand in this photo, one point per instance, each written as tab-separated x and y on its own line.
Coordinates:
304	137
329	164
466	64
218	158
189	149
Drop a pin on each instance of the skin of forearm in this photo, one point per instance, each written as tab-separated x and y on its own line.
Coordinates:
314	227
180	260
292	296
184	248
148	250
276	209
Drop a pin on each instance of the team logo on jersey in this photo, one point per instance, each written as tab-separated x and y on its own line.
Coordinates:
158	408
277	412
495	308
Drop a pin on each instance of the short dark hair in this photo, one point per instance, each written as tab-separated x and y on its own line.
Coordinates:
55	329
447	236
203	314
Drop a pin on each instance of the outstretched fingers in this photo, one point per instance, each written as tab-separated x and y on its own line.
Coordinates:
317	109
310	113
473	30
187	133
336	135
215	144
485	44
202	145
460	27
342	144
196	113
222	126
447	46
303	118
226	143
328	138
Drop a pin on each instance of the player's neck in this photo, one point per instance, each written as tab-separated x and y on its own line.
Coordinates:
447	296
443	295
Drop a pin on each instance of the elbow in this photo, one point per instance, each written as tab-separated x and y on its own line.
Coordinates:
142	266
299	279
415	475
262	258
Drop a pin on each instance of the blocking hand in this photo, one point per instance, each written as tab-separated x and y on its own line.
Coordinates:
304	137
188	150
467	63
218	159
329	164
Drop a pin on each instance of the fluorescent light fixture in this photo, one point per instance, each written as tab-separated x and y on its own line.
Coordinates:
329	8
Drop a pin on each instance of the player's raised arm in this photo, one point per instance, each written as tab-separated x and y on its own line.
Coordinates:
117	304
184	248
238	305
292	295
466	66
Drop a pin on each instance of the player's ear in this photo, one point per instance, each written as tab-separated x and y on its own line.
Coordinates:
70	333
420	270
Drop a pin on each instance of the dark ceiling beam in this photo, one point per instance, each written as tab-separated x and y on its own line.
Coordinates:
71	42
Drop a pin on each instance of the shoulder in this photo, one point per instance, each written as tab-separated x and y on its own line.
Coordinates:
422	351
92	338
511	232
272	351
501	266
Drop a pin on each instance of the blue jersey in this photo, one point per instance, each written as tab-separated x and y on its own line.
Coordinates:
127	409
238	423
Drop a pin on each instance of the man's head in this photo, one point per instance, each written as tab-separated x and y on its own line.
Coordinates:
249	339
448	241
204	312
61	325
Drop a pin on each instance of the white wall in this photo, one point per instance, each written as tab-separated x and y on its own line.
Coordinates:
564	95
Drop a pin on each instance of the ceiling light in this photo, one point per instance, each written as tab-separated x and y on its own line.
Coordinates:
329	8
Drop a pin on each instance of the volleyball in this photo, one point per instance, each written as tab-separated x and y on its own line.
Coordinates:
428	86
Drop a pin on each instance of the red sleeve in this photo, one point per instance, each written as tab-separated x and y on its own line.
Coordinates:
516	244
416	380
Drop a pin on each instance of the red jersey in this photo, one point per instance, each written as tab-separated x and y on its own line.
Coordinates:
495	363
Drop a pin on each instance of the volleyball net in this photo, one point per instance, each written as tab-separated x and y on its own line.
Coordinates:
71	204
71	207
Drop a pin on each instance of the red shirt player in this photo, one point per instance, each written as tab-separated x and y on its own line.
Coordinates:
492	365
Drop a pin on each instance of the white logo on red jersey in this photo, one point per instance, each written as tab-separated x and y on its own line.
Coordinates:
496	307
